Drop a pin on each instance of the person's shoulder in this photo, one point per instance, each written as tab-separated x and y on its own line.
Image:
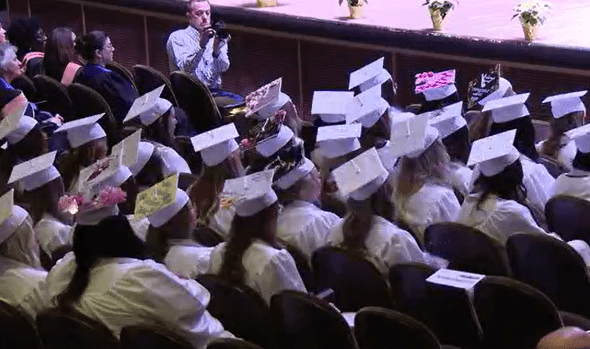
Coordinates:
176	35
510	207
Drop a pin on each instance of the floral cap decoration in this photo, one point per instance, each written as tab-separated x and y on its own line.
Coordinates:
429	80
263	96
263	131
81	202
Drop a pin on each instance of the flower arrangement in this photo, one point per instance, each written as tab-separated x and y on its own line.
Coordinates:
107	196
531	14
439	9
354	3
356	7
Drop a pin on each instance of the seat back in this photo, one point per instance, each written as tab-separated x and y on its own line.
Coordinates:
123	71
554	268
303	267
567	216
26	85
149	337
69	329
447	311
305	322
231	343
196	100
148	79
55	96
187	151
552	166
467	249
513	315
356	281
240	309
17	330
385	328
87	102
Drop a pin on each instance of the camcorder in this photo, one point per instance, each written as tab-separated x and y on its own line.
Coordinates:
219	26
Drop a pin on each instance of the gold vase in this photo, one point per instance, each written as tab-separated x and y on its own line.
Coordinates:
530	31
438	22
266	3
357	11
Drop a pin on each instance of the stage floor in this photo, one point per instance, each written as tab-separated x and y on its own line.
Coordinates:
567	26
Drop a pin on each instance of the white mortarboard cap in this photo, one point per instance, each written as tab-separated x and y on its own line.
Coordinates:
387	159
448	119
362	176
369	76
148	107
508	108
36	172
564	104
331	106
272	108
161	202
436	86
338	140
250	194
172	162
267	95
367	107
408	133
11	215
16	125
270	146
430	136
581	136
96	215
129	149
82	131
104	172
504	85
145	151
295	175
216	145
494	153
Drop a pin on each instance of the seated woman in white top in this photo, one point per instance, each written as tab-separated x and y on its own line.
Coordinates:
107	279
424	193
20	269
221	161
252	257
367	226
577	182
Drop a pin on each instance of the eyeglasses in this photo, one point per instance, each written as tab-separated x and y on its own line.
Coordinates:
108	47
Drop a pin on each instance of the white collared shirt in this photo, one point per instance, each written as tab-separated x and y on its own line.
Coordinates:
17	282
576	183
51	233
187	259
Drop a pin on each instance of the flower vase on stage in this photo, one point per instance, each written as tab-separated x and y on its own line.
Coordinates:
438	22
530	31
531	15
266	3
439	12
356	7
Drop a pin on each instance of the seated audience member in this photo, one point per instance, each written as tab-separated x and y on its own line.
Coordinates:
510	113
568	112
267	150
438	98
565	338
88	144
454	134
480	127
374	117
10	66
20	268
298	185
330	107
60	61
221	159
577	182
423	192
28	36
367	228
148	169
251	256
108	279
2	34
97	50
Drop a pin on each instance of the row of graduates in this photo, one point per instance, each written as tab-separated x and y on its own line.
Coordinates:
393	173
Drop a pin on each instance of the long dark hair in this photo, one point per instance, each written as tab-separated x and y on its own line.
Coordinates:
45	200
359	220
87	45
582	161
379	132
559	127
244	230
438	104
74	160
506	184
21	33
525	135
458	145
59	52
177	227
158	131
112	237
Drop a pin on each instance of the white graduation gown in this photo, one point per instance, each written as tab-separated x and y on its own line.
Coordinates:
306	226
461	177
140	226
573	184
268	270
51	233
187	259
386	244
17	282
537	181
221	221
128	291
566	153
431	204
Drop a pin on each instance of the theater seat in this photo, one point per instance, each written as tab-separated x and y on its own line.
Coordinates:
567	216
148	79
55	95
231	343
17	330
151	337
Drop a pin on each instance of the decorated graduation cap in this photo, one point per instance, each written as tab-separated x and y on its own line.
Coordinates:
35	173
564	104
408	134
134	153
362	176
216	145
369	76
250	194
494	153
436	86
338	140
508	108
271	145
295	175
331	106
267	100
448	119
484	85
149	107
367	107
503	87
581	136
161	202
11	215
16	125
82	131
108	171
